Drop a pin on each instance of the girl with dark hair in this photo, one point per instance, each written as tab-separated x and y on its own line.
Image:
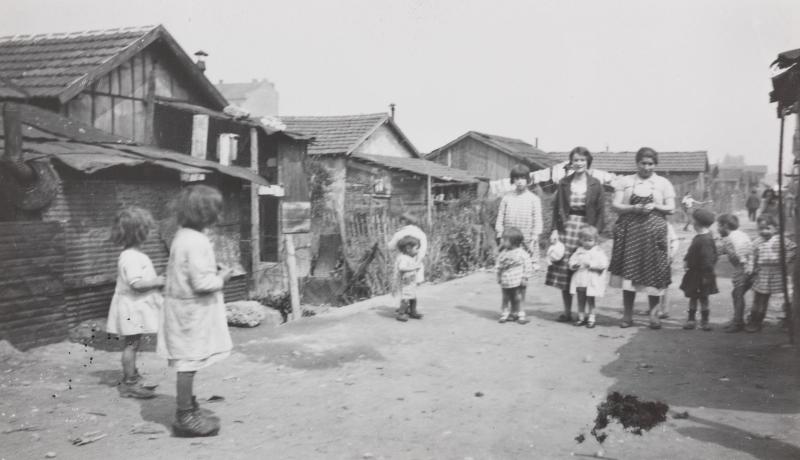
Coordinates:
640	255
136	303
579	201
194	331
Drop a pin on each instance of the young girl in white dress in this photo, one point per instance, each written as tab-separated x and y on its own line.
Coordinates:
136	303
589	280
194	328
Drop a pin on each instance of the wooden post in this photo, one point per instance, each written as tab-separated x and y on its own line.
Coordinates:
255	211
291	271
199	144
782	235
430	205
795	326
150	105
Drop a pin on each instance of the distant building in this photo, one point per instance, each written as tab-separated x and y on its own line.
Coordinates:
489	155
259	97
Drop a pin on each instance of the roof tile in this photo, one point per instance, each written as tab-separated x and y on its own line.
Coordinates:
625	162
334	134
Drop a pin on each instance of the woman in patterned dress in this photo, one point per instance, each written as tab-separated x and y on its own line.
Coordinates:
579	201
640	257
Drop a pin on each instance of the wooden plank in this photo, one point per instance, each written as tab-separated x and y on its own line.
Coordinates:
296	216
291	271
255	215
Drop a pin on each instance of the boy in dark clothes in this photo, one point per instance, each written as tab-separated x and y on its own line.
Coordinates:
699	281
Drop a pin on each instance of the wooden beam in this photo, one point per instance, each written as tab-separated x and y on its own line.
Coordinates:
149	102
199	145
430	205
255	212
291	271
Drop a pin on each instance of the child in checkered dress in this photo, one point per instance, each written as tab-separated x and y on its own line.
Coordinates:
521	209
767	266
737	245
513	271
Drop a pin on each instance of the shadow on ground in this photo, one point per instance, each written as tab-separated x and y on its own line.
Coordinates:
747	372
300	356
744	441
160	409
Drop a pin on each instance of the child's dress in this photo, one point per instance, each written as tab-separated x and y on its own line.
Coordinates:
768	276
513	267
593	277
132	312
416	232
699	279
406	270
194	329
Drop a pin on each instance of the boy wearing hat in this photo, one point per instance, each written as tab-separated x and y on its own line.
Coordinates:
699	281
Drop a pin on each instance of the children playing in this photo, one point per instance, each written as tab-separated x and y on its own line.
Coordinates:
522	209
699	281
588	282
737	245
137	301
513	271
194	328
407	266
767	268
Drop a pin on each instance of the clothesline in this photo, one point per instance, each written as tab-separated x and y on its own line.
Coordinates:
549	175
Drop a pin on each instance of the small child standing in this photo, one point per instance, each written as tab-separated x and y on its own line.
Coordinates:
589	263
410	228
768	278
699	281
513	271
522	209
737	245
406	267
194	329
137	301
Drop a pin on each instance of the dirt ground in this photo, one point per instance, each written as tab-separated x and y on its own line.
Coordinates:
356	384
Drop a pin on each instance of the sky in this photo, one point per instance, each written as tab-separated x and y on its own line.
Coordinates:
610	74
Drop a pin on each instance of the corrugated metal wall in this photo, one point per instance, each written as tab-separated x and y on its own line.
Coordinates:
32	303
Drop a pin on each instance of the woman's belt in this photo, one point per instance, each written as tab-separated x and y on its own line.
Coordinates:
577	212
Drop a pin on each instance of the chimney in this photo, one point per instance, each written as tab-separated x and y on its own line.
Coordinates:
391	109
536	142
201	60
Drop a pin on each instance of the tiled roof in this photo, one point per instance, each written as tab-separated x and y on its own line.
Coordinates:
61	65
625	162
516	148
421	167
335	134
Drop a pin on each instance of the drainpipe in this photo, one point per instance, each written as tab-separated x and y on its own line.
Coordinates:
12	158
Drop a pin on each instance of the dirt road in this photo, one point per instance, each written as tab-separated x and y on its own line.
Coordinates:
356	384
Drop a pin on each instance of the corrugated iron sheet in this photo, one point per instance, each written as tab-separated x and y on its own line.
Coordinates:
32	305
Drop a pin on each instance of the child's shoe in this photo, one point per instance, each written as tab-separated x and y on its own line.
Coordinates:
590	323
192	423
581	321
734	327
752	327
704	325
522	320
402	317
503	318
564	318
414	314
135	390
690	325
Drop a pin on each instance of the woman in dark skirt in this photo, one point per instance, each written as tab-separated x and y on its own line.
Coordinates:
579	201
640	256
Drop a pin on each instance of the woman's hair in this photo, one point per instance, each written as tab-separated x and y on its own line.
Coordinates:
514	236
407	242
767	219
131	227
584	152
588	231
729	221
520	172
647	152
198	206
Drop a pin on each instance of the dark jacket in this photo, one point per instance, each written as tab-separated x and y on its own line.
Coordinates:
595	203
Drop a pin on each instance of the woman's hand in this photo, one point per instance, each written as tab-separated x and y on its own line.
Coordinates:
649	207
225	273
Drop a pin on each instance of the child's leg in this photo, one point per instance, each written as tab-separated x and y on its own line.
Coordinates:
190	420
704	313
402	312
504	304
590	310
738	305
654	301
581	293
413	313
758	311
132	343
628	297
516	306
664	306
690	323
184	390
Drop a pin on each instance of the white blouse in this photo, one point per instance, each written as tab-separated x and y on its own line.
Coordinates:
660	187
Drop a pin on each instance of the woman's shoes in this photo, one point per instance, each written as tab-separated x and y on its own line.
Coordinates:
626	323
581	322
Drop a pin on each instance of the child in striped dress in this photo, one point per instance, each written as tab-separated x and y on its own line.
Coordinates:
768	274
513	271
